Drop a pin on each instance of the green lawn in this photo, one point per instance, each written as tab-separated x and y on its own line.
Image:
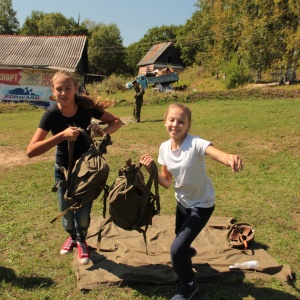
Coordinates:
264	132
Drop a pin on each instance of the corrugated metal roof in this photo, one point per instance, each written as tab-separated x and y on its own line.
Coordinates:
41	51
154	53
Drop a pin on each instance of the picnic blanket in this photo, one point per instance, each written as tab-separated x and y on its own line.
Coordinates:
123	259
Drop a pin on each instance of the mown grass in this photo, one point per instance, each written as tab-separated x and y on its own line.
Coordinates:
264	132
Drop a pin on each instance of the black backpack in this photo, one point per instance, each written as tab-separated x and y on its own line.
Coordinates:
132	205
88	177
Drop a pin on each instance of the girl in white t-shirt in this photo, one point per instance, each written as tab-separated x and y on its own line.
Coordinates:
183	157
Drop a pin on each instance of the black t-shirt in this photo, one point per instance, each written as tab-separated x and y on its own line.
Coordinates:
53	120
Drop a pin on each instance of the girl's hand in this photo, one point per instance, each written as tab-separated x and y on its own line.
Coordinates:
146	160
71	134
96	129
235	163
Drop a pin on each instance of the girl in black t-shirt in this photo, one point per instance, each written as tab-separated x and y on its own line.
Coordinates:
62	119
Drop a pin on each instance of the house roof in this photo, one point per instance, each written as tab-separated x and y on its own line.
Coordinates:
55	52
154	53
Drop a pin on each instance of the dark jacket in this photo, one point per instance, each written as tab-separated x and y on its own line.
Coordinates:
139	92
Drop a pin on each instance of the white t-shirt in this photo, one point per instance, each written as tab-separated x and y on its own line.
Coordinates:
193	188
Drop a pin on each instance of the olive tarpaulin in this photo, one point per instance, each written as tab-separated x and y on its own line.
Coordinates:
122	258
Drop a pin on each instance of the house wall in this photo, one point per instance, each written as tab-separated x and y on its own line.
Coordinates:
150	68
26	86
169	57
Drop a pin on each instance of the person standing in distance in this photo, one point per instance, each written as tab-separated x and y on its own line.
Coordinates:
138	102
183	157
62	119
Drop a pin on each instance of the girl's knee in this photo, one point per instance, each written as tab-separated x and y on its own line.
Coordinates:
177	251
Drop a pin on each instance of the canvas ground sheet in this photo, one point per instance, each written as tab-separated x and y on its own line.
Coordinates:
123	258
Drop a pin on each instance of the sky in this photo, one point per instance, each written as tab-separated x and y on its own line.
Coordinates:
133	17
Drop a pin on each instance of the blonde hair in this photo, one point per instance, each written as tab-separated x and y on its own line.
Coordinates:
183	107
82	100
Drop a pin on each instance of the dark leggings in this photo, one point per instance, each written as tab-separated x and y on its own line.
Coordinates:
189	223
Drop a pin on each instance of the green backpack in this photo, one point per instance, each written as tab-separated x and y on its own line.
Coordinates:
132	205
88	177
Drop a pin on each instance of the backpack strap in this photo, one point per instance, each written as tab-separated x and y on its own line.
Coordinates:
78	204
75	206
153	177
71	153
109	220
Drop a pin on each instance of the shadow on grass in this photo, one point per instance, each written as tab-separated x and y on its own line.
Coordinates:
9	276
234	289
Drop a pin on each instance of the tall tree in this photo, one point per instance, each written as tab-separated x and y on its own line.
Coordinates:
160	34
259	34
292	55
9	23
134	53
40	23
31	24
195	39
105	50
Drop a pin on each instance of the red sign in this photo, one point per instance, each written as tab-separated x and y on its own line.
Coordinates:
10	76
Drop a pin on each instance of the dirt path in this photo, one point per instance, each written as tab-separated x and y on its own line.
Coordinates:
10	157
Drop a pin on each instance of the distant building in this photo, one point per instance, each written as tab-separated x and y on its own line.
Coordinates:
159	57
27	64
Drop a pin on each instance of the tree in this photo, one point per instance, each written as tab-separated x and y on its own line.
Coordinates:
157	35
40	23
133	55
9	24
257	34
31	24
105	50
195	39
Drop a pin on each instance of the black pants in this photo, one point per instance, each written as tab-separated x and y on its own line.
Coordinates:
189	223
137	109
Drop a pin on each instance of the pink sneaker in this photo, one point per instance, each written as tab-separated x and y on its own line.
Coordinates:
68	246
83	253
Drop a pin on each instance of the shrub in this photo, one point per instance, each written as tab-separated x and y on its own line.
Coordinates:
237	74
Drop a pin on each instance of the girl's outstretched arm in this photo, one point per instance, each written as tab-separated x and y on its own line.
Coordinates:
230	160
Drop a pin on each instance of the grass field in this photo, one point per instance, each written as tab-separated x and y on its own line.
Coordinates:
264	132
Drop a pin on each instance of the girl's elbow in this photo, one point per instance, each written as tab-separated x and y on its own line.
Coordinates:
29	153
120	123
117	123
165	184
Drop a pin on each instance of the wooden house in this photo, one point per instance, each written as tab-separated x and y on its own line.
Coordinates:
159	57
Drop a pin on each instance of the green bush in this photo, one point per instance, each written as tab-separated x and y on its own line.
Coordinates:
237	74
